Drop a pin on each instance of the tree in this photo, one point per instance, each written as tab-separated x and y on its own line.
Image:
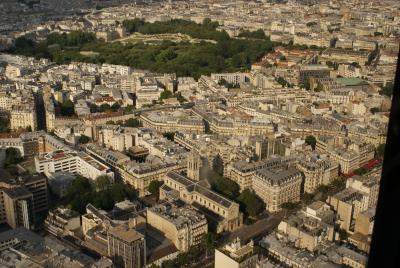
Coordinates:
154	187
104	107
183	58
115	107
13	157
250	203
166	94
360	171
323	189
380	150
132	122
103	182
4	122
374	110
169	135
312	141
83	139
208	242
226	187
129	108
67	108
289	205
387	90
79	186
307	198
258	34
342	234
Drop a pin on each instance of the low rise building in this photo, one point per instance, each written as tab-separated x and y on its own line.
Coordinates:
236	255
61	221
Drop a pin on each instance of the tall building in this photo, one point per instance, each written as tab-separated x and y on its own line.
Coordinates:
22	199
126	247
194	163
18	205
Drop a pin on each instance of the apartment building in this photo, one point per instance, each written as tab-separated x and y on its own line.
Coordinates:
147	91
231	78
317	172
242	171
361	193
276	186
236	255
184	226
116	69
172	121
345	56
23	116
349	155
126	247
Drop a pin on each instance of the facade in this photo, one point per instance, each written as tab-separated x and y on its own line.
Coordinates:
184	226
126	247
276	186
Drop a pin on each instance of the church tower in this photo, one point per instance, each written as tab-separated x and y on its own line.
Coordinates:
194	163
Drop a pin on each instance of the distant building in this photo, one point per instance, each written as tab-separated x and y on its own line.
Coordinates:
313	71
